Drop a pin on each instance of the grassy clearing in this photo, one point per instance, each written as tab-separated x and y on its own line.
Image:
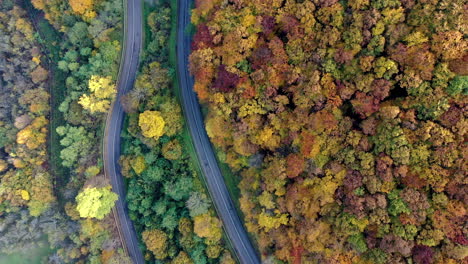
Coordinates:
37	255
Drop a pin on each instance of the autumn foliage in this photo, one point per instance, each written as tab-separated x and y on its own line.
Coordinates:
346	121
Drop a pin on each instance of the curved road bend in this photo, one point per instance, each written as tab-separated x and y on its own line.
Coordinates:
114	122
214	179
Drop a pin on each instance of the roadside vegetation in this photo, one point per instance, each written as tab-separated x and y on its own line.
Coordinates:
165	197
346	121
74	55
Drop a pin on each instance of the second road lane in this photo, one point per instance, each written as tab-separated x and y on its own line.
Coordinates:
219	193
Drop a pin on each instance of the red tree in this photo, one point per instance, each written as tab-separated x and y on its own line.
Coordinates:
225	80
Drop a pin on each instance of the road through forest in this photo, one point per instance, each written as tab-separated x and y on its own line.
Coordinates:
214	179
111	147
111	153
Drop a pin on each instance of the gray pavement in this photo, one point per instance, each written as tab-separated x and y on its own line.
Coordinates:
114	122
214	179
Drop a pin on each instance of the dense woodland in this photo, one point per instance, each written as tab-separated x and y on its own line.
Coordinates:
77	58
346	121
165	196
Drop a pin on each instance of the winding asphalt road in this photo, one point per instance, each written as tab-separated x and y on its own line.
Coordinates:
214	179
111	145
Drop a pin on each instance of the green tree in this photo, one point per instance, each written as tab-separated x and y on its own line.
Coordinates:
197	204
76	142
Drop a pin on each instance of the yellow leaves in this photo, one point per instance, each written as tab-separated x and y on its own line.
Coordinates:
216	128
24	194
38	4
393	16
92	171
416	38
34	135
203	7
151	124
218	98
267	221
323	189
42	194
251	107
384	67
389	112
208	227
266	200
19	163
90	103
317	236
23	136
156	242
378	28
358	4
182	258
103	91
3	165
91	228
172	150
248	20
171	113
95	202
83	7
39	122
36	60
436	176
387	186
102	87
25	27
138	164
268	138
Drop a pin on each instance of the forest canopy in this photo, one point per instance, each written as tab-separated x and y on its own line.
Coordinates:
346	121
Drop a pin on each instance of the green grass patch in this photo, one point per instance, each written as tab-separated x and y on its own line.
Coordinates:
36	255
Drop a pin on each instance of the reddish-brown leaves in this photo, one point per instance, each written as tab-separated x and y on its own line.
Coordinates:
422	254
365	105
295	165
225	80
202	38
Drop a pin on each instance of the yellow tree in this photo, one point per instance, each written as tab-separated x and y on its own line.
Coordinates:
268	221
156	242
95	202
102	92
138	164
182	258
207	226
42	194
171	113
83	8
172	150
151	124
33	135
